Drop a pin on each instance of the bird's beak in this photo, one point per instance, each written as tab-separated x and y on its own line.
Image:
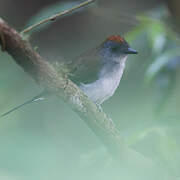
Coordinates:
131	51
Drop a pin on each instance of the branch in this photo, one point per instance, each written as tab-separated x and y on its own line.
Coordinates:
54	17
45	75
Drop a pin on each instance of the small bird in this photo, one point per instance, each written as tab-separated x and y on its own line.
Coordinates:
97	72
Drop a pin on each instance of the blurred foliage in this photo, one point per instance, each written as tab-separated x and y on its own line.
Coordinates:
164	46
162	73
48	141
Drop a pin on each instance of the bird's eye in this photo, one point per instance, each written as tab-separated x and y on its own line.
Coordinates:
114	49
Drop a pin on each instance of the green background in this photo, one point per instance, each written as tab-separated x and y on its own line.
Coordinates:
46	140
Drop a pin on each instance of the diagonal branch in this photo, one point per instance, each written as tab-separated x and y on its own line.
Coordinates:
45	75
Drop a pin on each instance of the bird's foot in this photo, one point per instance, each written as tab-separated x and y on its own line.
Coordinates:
100	109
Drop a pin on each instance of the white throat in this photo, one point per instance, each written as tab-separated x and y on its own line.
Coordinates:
108	81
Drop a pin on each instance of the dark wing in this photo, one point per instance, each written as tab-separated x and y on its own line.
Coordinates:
85	68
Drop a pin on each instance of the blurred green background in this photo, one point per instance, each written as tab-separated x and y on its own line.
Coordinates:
46	140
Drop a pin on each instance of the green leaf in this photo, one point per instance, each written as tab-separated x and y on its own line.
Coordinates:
160	62
140	135
157	37
130	36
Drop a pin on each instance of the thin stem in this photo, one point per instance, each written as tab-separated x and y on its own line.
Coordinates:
54	17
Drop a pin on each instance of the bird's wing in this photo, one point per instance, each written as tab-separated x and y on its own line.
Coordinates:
85	68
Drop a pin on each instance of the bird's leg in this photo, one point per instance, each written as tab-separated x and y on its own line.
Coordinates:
111	123
99	107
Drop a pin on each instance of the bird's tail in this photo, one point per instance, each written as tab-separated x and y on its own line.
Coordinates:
37	98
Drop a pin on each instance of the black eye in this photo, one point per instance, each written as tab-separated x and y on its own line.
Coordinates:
114	49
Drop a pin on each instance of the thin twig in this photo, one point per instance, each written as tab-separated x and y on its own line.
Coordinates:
54	17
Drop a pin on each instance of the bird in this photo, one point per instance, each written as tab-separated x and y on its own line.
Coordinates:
97	72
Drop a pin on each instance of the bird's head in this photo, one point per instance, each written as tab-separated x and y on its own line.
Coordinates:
115	48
